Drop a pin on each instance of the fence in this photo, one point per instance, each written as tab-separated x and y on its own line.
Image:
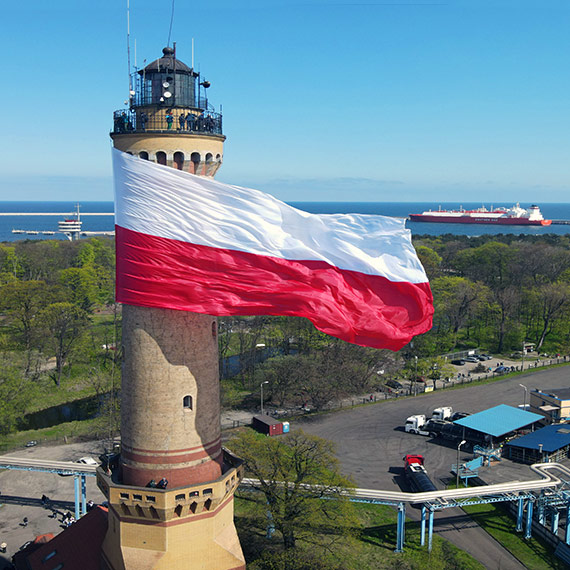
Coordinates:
126	121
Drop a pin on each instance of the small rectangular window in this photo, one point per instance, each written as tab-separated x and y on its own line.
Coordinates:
180	497
207	492
124	495
195	493
137	497
151	499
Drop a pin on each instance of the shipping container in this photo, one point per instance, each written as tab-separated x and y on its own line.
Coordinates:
267	425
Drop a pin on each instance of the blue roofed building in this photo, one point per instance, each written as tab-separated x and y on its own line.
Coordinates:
546	445
499	421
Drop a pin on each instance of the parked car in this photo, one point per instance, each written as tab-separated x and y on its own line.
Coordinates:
501	369
458	362
31	443
87	461
485	356
471	359
394	384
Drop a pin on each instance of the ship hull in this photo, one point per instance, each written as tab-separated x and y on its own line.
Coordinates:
475	220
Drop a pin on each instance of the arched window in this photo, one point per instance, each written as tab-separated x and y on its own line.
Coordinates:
143	154
187	402
161	157
195	158
209	157
179	160
218	157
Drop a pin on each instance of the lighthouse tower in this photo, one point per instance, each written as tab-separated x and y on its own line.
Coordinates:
171	493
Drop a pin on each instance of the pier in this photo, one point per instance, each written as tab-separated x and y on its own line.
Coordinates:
70	226
56	213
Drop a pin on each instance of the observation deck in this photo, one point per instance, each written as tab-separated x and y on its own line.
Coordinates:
178	121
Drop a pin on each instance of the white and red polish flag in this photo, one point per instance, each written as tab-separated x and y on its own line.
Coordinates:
194	244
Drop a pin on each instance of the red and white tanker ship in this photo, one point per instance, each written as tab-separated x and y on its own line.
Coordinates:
515	216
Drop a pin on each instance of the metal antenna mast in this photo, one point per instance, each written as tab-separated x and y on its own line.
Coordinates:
171	20
129	48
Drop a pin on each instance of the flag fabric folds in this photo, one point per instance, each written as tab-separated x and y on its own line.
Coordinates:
194	244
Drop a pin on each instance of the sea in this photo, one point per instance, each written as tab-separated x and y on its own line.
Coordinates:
44	216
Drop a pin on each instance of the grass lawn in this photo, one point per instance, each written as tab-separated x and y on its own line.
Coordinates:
533	553
58	434
368	547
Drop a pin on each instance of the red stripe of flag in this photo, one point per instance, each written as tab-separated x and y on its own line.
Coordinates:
369	310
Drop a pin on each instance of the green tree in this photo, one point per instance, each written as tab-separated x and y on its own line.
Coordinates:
285	375
22	302
63	324
296	472
457	299
493	263
81	285
9	261
96	259
551	302
16	392
430	259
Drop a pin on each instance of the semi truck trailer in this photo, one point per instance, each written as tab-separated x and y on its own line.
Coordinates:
416	474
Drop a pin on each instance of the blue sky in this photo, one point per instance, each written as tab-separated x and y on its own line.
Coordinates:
458	100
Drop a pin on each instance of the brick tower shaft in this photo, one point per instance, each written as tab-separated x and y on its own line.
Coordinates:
171	496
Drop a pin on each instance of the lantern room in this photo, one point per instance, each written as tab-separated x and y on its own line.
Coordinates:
161	93
168	81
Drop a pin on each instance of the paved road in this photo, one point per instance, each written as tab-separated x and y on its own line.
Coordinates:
371	443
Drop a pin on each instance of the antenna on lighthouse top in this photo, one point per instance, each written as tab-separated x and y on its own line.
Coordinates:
171	20
129	49
192	53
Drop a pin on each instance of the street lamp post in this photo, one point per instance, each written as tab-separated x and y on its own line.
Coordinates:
261	386
416	378
522	366
463	442
525	393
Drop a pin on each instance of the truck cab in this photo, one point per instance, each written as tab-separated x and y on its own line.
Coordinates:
442	413
414	424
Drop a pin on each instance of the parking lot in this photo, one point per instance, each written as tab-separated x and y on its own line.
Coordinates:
371	443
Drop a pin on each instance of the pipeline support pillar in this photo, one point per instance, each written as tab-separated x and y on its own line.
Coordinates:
528	530
520	515
401	527
430	529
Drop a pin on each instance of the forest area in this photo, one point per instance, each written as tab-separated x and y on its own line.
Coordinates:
60	331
